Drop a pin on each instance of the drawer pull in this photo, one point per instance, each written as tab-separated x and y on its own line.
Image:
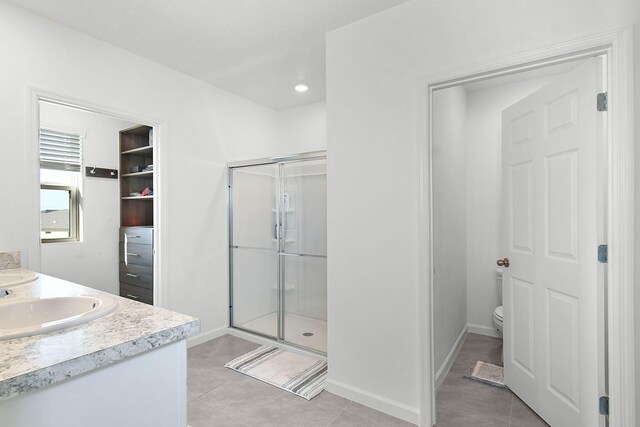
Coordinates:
133	296
132	254
129	236
133	275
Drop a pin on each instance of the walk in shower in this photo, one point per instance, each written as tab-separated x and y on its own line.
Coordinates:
278	248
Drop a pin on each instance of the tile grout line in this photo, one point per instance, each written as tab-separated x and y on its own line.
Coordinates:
264	404
511	410
346	408
208	391
336	417
375	422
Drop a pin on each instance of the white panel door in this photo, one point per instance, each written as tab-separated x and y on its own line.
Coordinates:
550	185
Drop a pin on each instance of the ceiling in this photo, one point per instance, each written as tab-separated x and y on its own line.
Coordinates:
258	49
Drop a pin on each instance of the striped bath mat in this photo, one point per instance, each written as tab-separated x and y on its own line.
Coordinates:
289	371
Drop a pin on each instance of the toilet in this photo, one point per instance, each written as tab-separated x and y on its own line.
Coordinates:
498	313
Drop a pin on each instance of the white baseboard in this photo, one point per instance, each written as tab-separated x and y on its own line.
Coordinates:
203	337
484	330
441	374
266	341
377	402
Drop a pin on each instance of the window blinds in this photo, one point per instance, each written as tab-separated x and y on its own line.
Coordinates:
60	150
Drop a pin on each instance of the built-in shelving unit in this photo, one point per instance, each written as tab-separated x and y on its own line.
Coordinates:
136	213
136	175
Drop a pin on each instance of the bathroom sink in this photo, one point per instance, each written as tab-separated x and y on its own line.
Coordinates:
16	276
33	316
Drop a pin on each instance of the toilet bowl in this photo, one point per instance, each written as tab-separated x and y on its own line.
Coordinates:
498	313
497	319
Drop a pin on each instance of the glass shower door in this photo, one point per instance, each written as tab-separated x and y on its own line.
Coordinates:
303	258
253	243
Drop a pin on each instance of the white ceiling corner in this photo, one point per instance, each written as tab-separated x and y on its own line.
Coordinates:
258	49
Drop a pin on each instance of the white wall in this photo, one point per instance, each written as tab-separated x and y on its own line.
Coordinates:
94	260
449	219
203	128
372	116
302	129
484	195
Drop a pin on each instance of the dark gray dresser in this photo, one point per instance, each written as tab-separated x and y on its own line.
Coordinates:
136	263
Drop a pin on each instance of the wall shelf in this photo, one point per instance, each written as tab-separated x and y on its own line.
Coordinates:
137	198
137	174
146	150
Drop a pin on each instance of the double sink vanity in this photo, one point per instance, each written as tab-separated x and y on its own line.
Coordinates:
33	315
73	356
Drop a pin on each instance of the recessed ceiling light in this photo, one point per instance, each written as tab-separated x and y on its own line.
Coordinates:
301	88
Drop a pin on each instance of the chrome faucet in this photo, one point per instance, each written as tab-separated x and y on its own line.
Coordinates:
5	292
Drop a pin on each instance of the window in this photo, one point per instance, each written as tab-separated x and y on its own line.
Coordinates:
60	165
58	213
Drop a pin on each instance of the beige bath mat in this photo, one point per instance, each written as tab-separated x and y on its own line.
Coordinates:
487	373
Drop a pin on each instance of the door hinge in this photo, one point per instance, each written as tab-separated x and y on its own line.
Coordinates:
604	405
603	101
603	254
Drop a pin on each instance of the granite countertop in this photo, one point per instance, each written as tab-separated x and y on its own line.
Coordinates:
132	328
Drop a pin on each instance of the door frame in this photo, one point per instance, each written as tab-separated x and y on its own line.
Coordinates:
617	45
35	97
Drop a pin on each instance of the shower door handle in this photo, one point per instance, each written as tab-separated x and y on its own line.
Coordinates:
277	231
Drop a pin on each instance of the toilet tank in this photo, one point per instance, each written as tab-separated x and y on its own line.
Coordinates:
499	283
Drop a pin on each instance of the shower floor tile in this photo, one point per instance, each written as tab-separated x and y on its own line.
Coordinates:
295	326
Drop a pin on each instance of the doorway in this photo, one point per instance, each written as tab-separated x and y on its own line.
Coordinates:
77	189
489	191
79	213
617	45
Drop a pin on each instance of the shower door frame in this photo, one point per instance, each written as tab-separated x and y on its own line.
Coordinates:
280	301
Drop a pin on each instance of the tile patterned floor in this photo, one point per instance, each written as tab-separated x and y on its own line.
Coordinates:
220	397
463	403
